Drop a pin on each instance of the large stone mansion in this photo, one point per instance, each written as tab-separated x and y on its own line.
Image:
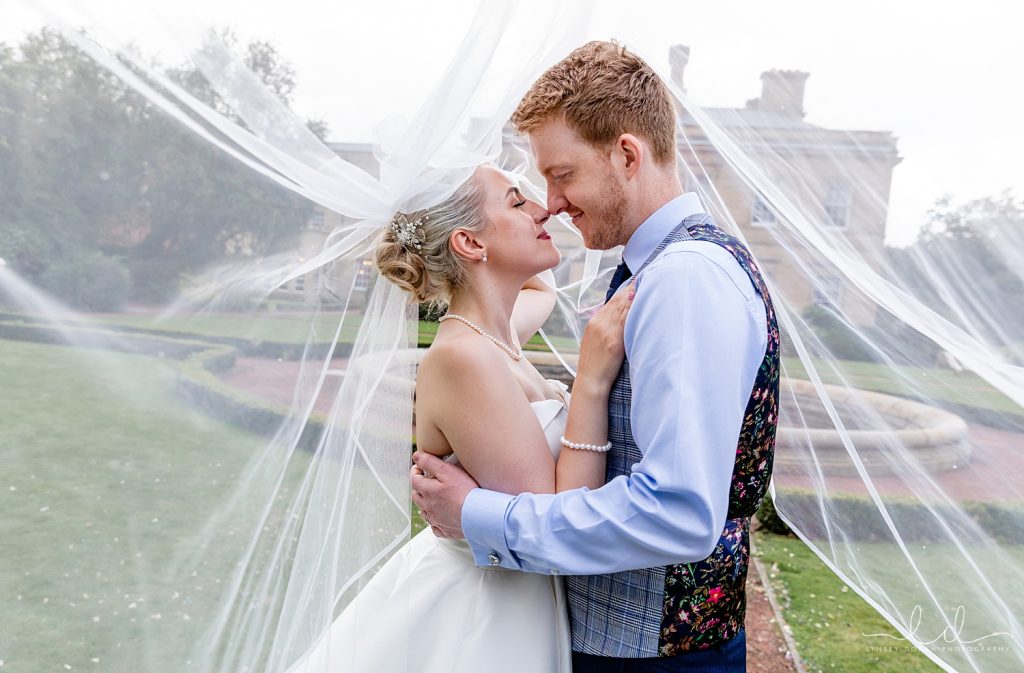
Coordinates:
841	177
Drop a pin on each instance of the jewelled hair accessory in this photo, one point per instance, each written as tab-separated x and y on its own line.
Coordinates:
408	232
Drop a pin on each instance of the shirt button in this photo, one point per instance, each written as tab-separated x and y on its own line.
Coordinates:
494	559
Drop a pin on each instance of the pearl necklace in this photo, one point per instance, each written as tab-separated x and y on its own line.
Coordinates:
515	354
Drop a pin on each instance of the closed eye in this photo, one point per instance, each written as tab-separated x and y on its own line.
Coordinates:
514	191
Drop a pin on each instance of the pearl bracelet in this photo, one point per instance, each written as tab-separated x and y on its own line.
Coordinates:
600	448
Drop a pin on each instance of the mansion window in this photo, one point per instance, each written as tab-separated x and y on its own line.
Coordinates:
762	214
838	199
364	270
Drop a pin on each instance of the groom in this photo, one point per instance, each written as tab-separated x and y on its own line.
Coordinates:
656	559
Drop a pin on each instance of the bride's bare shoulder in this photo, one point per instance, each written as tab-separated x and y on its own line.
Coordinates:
452	365
455	356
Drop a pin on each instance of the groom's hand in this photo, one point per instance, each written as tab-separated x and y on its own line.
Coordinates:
439	489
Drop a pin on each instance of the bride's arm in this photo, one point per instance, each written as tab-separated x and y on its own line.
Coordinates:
601	354
471	396
533	306
587	424
476	402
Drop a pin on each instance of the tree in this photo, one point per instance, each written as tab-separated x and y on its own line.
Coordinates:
967	266
90	170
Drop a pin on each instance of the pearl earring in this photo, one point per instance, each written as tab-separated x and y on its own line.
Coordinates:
484	258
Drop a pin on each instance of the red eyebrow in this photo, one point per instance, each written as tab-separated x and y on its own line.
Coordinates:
556	167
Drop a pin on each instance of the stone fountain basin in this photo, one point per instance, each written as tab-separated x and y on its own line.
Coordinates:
936	438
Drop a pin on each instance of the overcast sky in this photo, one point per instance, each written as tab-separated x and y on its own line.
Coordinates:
946	78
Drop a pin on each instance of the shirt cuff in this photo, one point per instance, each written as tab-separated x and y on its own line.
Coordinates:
483	525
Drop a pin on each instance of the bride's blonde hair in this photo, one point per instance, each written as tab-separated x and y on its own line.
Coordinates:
431	272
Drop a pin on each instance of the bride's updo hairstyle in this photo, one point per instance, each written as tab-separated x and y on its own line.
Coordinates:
414	254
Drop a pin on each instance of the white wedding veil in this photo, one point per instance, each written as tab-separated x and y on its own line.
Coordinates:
202	484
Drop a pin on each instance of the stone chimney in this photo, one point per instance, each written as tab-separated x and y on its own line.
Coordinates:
782	92
678	57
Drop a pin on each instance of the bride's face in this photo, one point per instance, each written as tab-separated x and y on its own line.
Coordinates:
515	236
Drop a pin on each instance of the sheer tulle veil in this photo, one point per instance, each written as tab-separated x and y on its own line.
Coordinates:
902	406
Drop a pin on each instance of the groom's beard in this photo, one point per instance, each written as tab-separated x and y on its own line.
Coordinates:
607	221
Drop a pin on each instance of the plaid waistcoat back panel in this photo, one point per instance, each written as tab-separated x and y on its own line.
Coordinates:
668	610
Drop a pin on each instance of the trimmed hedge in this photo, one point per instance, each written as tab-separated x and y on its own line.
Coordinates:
1001	521
769	518
198	385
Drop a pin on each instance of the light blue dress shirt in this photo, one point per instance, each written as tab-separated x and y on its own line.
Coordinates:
695	337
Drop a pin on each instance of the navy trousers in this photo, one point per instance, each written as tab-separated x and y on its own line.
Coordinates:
729	657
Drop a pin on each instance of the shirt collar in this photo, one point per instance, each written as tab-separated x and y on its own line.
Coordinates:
655	228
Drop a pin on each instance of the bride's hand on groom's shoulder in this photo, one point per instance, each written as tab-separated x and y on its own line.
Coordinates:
602	347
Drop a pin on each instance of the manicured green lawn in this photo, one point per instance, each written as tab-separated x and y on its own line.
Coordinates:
289	328
106	473
286	328
964	388
829	621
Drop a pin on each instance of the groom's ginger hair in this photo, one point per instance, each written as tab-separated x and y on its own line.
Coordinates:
603	90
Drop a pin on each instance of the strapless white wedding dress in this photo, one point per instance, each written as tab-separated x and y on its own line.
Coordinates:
430	609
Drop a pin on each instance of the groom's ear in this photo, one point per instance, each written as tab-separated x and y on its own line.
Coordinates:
629	154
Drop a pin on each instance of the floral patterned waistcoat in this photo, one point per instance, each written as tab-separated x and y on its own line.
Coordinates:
673	609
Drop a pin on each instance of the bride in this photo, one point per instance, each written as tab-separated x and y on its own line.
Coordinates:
480	402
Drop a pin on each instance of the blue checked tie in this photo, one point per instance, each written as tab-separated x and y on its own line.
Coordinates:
622	273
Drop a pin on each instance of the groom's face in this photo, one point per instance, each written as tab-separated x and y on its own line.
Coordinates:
581	182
